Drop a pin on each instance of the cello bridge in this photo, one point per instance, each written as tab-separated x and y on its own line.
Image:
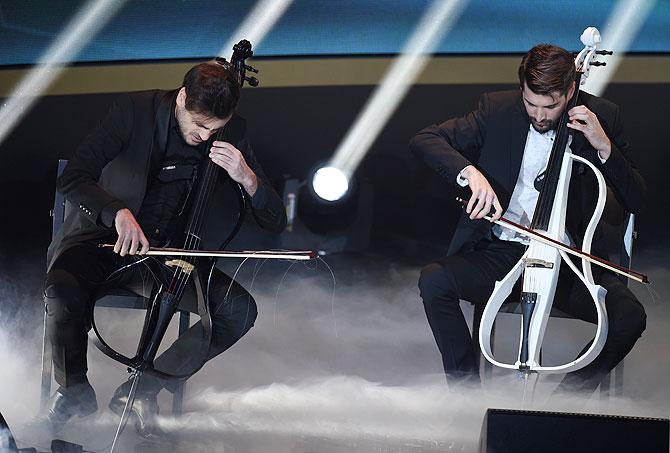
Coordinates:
186	266
535	262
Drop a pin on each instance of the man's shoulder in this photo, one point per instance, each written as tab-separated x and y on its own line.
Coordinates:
596	103
503	100
145	98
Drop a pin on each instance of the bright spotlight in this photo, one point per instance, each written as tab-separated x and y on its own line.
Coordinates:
330	183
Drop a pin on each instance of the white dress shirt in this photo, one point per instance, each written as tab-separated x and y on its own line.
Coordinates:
524	197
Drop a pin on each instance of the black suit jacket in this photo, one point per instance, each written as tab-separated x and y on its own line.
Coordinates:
109	170
493	138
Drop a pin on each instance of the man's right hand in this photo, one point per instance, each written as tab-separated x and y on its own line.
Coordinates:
130	234
483	197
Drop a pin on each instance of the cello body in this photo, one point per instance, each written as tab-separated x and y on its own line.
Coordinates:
539	267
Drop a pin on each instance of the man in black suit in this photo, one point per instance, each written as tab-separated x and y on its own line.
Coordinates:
131	183
499	150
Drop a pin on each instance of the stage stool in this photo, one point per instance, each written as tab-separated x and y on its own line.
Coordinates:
121	298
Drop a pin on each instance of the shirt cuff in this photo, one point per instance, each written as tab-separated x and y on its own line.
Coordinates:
602	161
460	180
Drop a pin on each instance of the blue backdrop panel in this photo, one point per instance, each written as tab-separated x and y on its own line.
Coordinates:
149	29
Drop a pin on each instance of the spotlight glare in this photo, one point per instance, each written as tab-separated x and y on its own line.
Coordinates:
435	23
85	24
330	183
258	23
623	25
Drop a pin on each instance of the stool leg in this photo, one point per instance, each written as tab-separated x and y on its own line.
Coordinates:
618	379
488	367
476	320
45	388
605	386
178	396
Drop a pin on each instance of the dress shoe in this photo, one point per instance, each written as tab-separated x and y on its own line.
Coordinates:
77	400
144	411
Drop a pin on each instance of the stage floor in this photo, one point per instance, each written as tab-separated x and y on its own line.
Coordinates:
328	367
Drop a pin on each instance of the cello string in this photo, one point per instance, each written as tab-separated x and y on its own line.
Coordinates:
257	269
332	294
547	194
197	216
195	220
276	298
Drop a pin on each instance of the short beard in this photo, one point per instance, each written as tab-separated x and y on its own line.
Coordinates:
552	125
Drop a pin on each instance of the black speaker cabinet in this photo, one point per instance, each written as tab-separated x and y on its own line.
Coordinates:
548	432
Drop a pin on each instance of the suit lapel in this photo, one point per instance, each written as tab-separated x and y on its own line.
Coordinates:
159	137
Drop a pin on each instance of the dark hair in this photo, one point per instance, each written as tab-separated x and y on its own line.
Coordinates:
211	89
547	69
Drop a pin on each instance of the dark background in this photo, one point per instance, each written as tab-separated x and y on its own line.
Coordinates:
294	129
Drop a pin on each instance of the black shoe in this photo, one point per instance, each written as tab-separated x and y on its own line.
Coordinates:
78	400
144	411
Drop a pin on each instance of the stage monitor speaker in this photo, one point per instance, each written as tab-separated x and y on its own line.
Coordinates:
552	432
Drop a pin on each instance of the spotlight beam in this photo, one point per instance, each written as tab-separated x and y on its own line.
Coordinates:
623	25
79	31
257	23
438	19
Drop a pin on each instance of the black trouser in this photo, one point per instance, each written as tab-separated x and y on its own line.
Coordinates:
81	272
470	275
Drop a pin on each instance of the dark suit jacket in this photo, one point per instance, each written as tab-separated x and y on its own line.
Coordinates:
493	138
109	170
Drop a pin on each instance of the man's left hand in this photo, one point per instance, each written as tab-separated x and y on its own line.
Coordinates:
230	159
584	120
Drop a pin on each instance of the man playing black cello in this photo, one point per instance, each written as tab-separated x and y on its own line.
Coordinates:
130	182
500	151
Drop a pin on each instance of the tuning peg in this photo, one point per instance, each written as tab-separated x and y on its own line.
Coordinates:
598	63
604	52
251	69
253	81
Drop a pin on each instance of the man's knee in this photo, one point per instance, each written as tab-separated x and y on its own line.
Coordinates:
630	321
64	298
436	281
238	314
250	316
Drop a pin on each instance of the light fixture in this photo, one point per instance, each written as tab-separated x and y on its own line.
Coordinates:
330	183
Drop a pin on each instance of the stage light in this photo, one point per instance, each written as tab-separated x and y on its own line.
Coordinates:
77	34
257	23
330	183
438	19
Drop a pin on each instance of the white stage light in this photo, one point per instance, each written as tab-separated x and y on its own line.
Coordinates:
330	183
